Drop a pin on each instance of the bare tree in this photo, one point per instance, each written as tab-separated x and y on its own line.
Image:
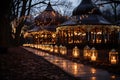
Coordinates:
113	7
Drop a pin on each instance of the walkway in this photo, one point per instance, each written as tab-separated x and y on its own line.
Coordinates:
20	64
78	70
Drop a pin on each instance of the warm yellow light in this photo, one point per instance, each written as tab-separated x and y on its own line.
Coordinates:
51	48
99	32
93	78
93	54
93	58
56	49
113	60
86	52
75	52
113	76
113	56
63	50
93	71
75	68
53	35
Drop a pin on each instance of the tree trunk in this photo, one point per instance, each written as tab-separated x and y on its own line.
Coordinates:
18	33
5	29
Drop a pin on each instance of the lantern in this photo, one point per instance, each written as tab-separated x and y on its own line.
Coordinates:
51	48
60	48
56	49
113	56
75	52
86	52
63	50
94	54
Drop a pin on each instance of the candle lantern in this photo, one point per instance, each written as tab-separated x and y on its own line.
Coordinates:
63	51
113	56
47	47
56	49
60	48
86	52
43	47
94	54
51	48
38	46
75	52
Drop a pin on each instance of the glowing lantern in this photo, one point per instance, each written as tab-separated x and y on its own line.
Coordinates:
60	48
51	48
113	56
56	49
75	52
86	52
63	50
94	54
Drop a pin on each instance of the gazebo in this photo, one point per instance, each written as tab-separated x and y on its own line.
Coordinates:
88	26
49	19
45	26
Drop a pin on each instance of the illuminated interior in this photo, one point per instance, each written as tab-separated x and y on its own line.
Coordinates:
89	27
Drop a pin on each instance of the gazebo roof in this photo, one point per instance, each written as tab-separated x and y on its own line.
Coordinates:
49	7
49	18
86	7
89	13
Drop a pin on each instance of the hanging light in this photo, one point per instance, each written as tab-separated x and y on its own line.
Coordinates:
113	56
75	52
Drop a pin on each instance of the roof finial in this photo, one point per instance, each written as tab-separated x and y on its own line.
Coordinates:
49	7
49	3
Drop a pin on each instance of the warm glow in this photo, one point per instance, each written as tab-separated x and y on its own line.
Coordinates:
98	40
113	56
51	48
56	49
64	64
93	71
93	58
75	68
93	54
113	60
53	35
86	52
93	78
63	50
113	77
75	52
99	32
